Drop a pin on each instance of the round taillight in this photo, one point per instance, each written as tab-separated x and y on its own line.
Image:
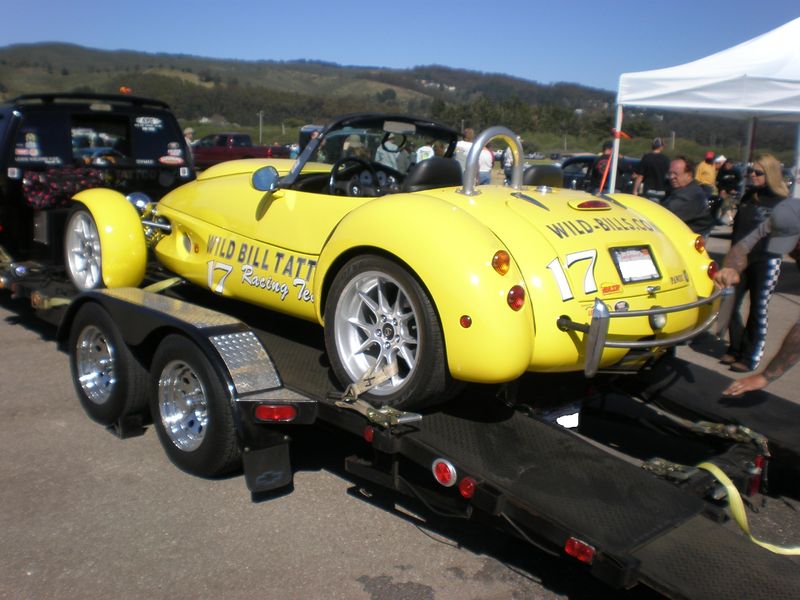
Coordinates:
516	297
712	270
466	321
466	487
700	244
501	262
444	472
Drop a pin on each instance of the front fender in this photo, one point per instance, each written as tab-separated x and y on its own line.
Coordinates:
451	253
124	252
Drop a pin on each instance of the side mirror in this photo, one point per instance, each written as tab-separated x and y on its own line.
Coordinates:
265	179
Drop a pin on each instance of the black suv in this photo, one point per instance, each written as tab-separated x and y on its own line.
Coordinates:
55	145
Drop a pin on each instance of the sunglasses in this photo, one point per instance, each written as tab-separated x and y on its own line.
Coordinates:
755	172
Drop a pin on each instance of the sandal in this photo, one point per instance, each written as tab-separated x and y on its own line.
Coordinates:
740	367
728	359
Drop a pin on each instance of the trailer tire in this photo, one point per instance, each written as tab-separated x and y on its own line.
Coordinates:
111	383
377	312
192	411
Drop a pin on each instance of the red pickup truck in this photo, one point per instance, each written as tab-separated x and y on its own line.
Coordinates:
219	147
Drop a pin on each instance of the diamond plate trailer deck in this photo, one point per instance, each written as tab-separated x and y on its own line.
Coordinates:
535	479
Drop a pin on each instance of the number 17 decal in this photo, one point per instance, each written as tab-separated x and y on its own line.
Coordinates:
589	283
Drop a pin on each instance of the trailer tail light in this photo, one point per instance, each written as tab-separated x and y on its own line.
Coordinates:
699	244
466	487
501	262
580	550
275	413
755	472
712	270
444	472
516	297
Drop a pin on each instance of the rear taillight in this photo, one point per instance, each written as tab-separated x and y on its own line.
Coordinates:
516	297
444	472
275	413
712	269
580	550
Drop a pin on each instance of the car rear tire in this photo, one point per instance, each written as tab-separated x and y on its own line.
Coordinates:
378	315
192	411
111	383
83	253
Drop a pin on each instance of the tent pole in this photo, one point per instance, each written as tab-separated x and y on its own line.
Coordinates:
612	181
796	186
751	141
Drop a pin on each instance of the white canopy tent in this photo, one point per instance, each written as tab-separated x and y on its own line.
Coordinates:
759	78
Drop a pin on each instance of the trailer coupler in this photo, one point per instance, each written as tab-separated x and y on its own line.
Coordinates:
384	416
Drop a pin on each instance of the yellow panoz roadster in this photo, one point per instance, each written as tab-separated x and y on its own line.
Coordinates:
417	274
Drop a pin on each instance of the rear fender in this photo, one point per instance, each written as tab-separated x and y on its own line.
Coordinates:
450	253
124	252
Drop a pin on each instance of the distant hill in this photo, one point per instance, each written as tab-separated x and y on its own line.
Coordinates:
298	92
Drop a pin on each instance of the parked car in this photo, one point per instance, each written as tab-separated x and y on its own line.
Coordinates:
577	172
219	147
419	278
52	146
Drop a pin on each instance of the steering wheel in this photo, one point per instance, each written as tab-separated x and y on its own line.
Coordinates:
337	166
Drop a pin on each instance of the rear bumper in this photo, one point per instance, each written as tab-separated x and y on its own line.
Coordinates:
596	335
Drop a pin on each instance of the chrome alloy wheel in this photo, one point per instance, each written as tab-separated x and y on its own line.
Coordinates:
95	362
82	249
183	405
376	326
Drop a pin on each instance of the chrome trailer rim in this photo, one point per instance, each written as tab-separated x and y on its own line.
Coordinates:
183	405
83	252
95	360
376	326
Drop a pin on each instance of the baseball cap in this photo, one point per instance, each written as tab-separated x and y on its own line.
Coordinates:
709	155
785	219
608	145
657	143
721	158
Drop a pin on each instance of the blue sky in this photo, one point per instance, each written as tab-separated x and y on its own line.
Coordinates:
585	42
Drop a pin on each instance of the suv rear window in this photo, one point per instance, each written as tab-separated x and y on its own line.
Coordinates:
58	139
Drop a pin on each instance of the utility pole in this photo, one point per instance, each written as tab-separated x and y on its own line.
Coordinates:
260	119
672	144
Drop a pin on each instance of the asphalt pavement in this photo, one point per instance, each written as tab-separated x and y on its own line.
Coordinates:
86	515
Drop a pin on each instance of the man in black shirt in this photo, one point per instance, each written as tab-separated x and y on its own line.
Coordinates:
651	173
687	199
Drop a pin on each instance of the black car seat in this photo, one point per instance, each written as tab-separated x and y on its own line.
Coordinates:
549	175
434	172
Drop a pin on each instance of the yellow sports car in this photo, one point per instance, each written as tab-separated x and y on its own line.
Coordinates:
420	276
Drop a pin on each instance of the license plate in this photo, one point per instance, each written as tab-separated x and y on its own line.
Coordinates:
635	264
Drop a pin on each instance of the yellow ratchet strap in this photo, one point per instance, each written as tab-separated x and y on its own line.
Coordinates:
160	286
738	512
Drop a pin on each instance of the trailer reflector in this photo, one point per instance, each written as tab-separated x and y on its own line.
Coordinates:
580	550
444	472
368	433
275	413
466	487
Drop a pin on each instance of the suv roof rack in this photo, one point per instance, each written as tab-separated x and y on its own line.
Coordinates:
118	98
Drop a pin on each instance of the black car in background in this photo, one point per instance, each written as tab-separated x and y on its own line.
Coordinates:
54	145
577	172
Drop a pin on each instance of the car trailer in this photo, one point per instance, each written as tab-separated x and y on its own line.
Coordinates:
601	470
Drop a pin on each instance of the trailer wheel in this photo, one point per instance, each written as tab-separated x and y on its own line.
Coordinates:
83	253
191	410
110	381
378	315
